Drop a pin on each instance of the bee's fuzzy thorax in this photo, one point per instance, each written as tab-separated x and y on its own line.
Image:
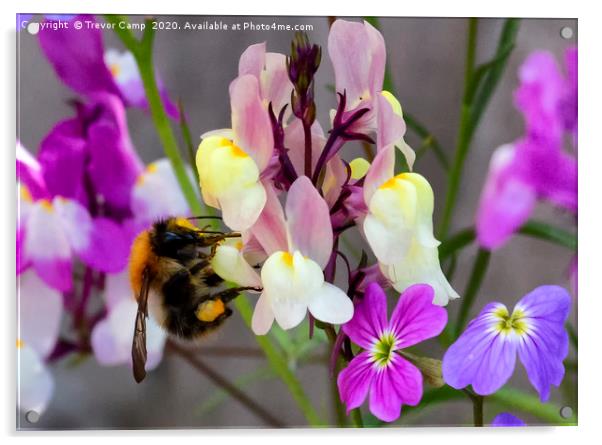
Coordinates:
141	256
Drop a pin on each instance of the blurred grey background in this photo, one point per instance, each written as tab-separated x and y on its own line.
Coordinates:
426	56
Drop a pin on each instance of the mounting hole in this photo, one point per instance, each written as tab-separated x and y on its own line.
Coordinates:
33	28
566	32
32	416
566	412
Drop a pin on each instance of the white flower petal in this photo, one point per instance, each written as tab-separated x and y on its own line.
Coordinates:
35	384
290	281
230	264
229	180
421	265
40	312
157	193
263	316
331	305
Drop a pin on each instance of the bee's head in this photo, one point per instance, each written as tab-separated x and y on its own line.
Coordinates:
175	238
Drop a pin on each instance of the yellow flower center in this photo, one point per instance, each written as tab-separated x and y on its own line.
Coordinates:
511	323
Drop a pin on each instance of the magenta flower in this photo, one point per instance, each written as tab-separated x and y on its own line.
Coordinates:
485	354
507	419
81	62
536	167
91	156
380	372
52	230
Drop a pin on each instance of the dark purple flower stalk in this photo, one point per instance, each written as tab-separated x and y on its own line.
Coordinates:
301	66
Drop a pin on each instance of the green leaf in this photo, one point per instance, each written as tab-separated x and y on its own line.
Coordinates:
515	400
493	73
477	274
550	233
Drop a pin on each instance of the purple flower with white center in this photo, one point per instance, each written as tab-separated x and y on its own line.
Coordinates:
485	354
507	419
380	372
79	58
536	167
52	230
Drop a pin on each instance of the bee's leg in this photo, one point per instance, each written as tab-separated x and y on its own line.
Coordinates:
230	294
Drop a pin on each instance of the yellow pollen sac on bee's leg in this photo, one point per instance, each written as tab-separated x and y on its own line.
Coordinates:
209	310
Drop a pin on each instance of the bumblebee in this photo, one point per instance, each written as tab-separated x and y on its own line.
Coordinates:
171	274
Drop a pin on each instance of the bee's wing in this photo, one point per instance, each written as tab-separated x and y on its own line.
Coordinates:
139	341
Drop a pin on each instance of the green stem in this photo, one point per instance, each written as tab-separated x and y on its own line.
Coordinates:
356	415
279	365
477	406
456	242
572	335
187	137
142	51
513	399
463	141
474	283
428	139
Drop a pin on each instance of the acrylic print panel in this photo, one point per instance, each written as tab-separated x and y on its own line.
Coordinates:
385	234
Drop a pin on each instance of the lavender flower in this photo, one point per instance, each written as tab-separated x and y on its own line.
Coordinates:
507	419
485	354
82	63
380	372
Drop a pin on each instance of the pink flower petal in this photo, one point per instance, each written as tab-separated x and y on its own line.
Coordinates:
369	317
400	382
294	140
391	126
381	170
263	316
252	60
354	381
506	202
353	41
308	219
416	318
250	120
270	228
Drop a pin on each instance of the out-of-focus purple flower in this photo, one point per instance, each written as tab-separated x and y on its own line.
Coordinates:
380	372
111	343
40	310
507	419
537	166
52	230
485	354
91	157
80	61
